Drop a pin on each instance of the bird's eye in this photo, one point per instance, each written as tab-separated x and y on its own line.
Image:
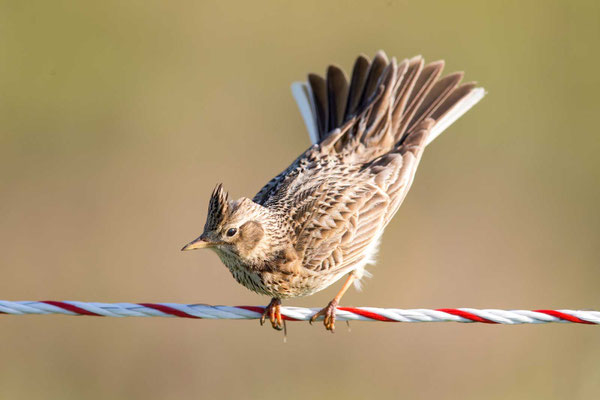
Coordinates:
231	232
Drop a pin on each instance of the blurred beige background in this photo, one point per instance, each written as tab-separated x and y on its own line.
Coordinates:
118	118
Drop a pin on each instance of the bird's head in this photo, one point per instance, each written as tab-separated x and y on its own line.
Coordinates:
234	227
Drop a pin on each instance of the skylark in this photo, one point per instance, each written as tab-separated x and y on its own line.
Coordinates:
322	218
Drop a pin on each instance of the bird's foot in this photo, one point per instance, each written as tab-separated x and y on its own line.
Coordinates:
273	311
329	316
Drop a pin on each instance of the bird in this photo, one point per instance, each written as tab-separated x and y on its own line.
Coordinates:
322	218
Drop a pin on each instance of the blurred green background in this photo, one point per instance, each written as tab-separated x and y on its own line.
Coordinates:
117	118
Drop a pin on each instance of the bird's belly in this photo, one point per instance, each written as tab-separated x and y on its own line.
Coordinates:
278	285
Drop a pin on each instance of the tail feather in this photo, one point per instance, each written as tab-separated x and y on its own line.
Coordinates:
425	80
319	91
455	111
337	94
303	94
383	102
360	73
376	71
436	96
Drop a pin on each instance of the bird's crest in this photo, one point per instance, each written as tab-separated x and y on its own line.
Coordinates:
218	208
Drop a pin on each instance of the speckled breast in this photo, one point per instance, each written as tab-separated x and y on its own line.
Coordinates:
274	284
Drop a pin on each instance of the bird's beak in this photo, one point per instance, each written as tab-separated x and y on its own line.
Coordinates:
200	243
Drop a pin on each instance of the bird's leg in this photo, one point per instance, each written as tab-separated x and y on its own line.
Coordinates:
273	310
329	312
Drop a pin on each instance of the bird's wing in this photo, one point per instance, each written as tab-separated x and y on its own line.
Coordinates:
341	226
340	217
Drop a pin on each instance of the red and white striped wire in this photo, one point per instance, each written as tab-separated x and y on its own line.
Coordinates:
203	311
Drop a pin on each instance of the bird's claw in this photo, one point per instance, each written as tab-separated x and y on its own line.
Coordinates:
273	311
329	316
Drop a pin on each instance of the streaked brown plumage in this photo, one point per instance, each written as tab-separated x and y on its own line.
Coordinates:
322	217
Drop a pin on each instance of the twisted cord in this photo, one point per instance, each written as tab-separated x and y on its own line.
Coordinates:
204	311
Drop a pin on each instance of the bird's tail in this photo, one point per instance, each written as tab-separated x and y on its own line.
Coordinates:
382	104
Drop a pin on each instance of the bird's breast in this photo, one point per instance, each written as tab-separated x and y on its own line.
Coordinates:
274	282
242	273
